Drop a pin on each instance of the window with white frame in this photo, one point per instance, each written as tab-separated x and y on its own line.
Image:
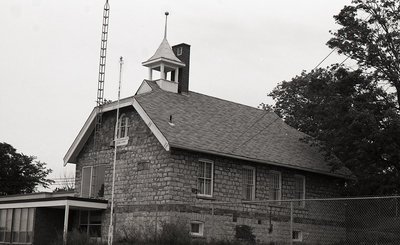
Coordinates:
90	223
249	182
16	225
276	185
93	181
196	228
300	189
205	178
123	126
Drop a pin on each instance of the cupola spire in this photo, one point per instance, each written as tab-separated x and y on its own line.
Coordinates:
166	24
165	61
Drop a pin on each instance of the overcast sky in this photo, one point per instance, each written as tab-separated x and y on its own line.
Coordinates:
49	55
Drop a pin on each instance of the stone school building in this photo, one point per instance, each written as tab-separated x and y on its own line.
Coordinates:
183	151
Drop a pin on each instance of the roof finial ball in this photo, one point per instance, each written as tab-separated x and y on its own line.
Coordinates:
165	31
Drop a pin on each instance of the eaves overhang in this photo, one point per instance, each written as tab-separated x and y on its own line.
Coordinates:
217	153
54	202
158	61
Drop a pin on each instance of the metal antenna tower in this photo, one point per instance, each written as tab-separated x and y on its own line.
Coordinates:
103	53
102	74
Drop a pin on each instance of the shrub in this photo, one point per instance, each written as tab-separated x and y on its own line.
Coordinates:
76	237
171	233
245	233
176	233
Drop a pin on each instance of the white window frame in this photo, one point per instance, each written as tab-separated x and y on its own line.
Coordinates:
122	118
91	179
300	236
205	161
301	203
244	185
201	228
279	182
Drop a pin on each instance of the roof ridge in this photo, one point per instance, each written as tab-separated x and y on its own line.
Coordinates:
255	108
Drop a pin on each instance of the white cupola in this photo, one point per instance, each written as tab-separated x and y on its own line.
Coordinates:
165	61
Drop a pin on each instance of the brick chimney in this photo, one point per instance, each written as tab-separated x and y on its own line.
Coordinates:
182	52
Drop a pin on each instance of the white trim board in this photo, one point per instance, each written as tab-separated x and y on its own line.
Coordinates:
55	203
161	138
88	127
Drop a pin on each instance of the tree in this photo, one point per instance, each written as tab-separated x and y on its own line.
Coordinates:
370	34
20	173
349	117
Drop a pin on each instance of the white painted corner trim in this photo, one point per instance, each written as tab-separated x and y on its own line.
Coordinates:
142	113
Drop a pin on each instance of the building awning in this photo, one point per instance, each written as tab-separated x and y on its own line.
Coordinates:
66	201
51	200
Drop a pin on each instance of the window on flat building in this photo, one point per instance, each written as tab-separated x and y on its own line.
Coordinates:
196	228
93	181
5	225
300	189
276	185
16	225
123	126
205	178
90	223
249	182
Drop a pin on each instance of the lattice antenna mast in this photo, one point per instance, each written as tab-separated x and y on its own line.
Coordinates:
103	54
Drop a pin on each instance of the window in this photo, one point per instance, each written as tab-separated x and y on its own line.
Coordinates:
123	125
249	182
93	181
90	223
5	225
297	236
179	51
16	225
205	178
196	228
300	189
276	185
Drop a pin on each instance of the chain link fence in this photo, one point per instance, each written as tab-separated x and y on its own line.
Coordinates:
372	220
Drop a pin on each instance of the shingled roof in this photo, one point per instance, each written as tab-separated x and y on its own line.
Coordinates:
208	124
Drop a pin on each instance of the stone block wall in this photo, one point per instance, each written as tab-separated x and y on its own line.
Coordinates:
141	166
146	175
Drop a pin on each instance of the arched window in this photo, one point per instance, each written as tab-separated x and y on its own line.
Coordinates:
123	126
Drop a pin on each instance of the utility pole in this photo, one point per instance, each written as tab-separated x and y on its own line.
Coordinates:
111	227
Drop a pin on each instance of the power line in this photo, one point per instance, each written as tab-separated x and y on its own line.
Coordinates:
259	132
333	50
247	129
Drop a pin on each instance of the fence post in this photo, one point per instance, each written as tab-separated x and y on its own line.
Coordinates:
291	223
156	224
213	221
